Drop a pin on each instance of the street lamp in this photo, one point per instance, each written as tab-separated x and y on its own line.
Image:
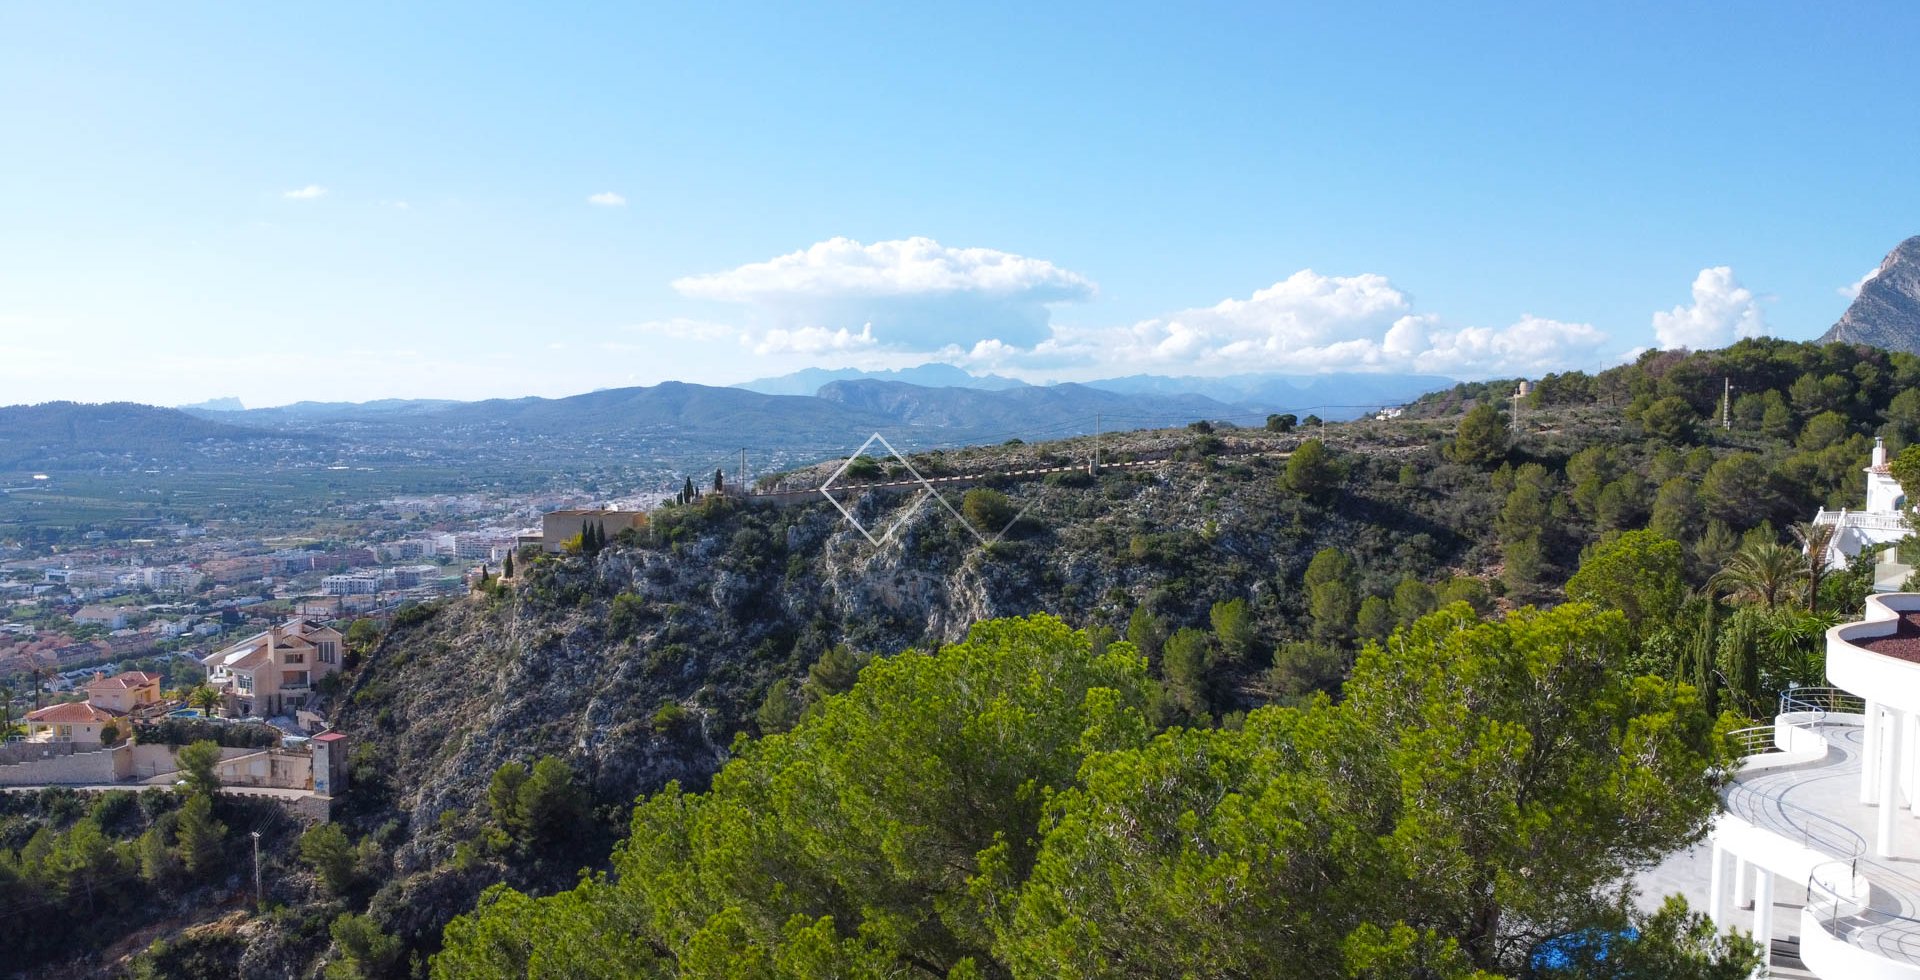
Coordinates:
259	900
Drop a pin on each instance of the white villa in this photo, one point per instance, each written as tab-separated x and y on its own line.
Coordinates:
1880	525
1817	852
272	673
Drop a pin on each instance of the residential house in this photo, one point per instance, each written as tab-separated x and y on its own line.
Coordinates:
1882	524
116	701
124	692
274	672
77	721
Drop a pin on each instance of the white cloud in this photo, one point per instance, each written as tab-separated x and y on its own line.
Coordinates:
307	193
1307	323
986	309
607	199
813	340
1852	290
1723	311
912	292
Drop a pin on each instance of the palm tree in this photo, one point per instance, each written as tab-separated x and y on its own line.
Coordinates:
1763	573
204	697
1815	538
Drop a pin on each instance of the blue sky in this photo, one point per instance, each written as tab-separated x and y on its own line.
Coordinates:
354	201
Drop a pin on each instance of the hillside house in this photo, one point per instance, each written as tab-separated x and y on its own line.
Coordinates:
1882	524
119	700
274	672
74	722
124	693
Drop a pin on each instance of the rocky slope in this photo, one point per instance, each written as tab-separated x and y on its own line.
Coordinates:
640	665
1886	314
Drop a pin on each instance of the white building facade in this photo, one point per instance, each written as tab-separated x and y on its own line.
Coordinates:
1817	852
1882	524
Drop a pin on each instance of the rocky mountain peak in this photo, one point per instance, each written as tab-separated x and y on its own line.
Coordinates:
1887	311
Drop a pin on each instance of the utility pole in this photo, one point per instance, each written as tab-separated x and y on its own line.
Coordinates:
743	469
1093	468
1726	405
259	898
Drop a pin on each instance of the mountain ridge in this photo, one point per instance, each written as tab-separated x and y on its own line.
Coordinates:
1886	313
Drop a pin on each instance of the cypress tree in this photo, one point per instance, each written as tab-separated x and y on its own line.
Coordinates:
506	569
690	493
1700	654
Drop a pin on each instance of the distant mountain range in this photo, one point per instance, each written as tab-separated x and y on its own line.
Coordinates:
810	380
228	404
1333	396
658	425
1887	311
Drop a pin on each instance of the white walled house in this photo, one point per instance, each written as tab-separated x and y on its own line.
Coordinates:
1882	524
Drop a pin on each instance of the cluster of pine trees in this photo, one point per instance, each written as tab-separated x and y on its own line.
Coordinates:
92	866
1005	808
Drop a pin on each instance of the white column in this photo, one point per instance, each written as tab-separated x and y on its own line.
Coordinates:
1870	754
1889	802
1763	913
1910	745
1715	887
1741	873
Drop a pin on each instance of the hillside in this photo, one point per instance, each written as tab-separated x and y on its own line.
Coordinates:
1246	577
1886	314
70	435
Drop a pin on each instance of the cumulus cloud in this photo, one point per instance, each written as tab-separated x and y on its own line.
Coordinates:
1722	311
986	309
1852	290
1306	323
813	340
607	199
911	292
307	193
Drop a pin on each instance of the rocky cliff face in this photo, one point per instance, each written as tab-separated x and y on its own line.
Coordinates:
1886	314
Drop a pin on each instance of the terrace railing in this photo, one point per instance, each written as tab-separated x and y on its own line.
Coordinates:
1752	741
1821	701
1870	918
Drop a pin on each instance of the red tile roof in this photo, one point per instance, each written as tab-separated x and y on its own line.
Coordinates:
77	712
127	680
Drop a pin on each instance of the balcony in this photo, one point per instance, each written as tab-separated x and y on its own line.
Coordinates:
1820	833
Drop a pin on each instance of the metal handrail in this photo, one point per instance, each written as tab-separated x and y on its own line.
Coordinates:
1818	832
1845	918
1757	740
1821	700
